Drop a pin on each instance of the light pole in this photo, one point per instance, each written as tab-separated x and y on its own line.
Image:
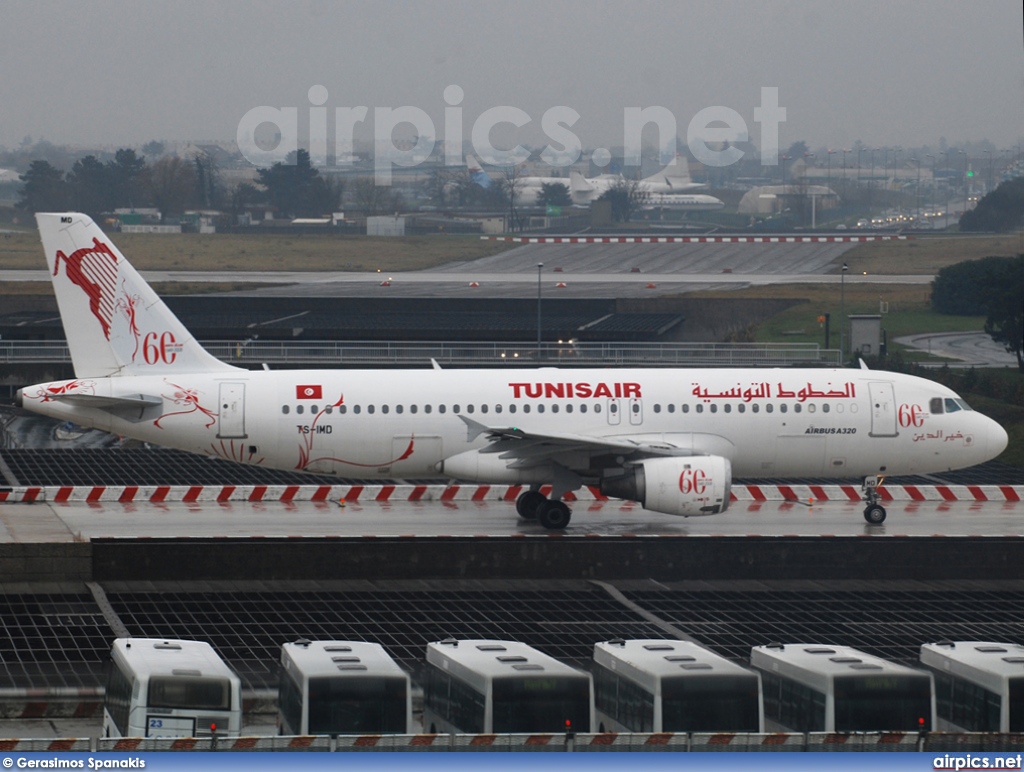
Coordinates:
828	184
845	151
842	315
917	190
539	266
931	188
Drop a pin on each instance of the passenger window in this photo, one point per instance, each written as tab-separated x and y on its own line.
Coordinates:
742	408
686	408
470	408
700	408
299	409
714	408
597	408
783	408
755	408
554	408
672	408
825	408
540	408
583	408
526	408
343	409
428	408
399	409
657	408
385	409
613	407
483	408
284	409
413	409
370	409
769	407
455	408
312	409
636	408
497	408
511	408
728	408
568	408
797	408
442	408
329	409
357	410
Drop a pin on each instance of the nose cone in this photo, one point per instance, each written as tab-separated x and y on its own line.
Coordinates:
997	439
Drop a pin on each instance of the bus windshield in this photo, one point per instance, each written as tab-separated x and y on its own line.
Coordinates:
710	704
189	692
541	704
355	705
882	703
1016	706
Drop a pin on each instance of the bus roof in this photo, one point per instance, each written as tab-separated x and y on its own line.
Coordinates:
163	656
648	659
985	662
478	660
339	658
815	664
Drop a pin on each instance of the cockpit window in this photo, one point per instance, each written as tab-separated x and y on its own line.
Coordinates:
952	406
935	406
963	404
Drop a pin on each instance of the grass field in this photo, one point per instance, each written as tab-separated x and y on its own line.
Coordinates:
269	252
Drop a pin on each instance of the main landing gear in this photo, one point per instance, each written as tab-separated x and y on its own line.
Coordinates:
551	513
874	512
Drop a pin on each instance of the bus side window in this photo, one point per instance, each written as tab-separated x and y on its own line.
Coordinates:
935	406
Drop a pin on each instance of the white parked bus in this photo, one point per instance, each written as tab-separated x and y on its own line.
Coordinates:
672	686
813	688
170	688
342	687
487	686
979	686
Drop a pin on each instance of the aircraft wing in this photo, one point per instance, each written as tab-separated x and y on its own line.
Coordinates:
522	447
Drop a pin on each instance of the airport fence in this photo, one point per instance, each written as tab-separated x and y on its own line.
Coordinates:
473	354
739	742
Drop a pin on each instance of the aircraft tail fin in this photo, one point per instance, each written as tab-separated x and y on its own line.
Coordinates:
477	173
114	322
675	176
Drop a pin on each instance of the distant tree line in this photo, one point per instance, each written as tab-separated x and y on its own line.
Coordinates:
174	185
992	287
1000	210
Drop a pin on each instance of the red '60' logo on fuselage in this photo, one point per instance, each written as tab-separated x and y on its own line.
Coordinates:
910	415
693	481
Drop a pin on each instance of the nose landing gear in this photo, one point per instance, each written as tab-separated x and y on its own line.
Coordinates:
874	512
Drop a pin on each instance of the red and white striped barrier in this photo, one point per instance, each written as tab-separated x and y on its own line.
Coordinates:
59	745
158	494
508	742
823	239
863	741
741	741
624	741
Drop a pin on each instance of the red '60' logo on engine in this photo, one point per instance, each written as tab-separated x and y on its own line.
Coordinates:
693	481
910	415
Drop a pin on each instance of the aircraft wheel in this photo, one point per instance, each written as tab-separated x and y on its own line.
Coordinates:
874	514
554	515
528	504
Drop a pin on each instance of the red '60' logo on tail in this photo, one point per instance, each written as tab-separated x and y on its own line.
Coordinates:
693	481
160	347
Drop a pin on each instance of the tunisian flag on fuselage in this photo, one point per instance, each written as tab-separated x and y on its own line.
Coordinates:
309	391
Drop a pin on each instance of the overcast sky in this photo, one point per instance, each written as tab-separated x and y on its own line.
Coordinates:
886	72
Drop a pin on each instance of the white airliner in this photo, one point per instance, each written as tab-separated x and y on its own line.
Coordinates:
670	439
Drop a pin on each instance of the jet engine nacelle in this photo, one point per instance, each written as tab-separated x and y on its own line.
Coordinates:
688	486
